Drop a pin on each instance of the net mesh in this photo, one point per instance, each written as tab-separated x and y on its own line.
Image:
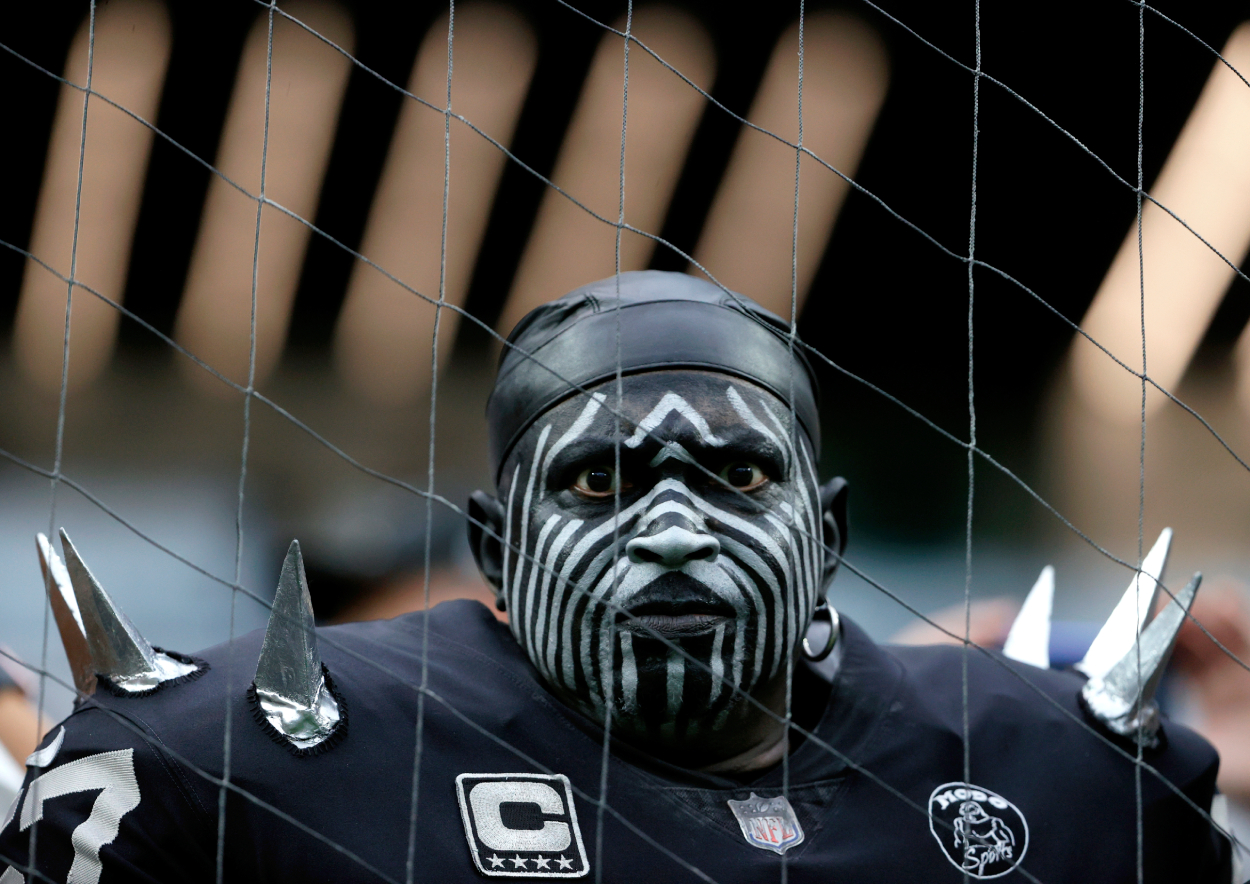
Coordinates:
673	244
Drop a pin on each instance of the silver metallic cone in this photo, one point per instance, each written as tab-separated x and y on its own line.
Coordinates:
1029	639
289	682
290	665
68	619
117	649
1115	699
1120	631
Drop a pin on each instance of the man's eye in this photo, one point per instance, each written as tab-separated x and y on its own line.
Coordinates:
743	475
597	482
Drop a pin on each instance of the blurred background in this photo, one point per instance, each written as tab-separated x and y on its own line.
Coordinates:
344	345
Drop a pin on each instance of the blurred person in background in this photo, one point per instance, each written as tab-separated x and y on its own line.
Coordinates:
20	729
1212	690
364	555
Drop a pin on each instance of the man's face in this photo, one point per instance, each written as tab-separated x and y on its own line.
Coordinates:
706	541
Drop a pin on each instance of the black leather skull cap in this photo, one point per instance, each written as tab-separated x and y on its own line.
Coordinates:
666	321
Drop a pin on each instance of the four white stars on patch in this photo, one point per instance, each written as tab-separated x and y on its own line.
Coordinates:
518	861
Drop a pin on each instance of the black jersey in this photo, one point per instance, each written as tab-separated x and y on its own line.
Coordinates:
508	780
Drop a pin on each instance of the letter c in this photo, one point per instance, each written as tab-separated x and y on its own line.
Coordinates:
486	798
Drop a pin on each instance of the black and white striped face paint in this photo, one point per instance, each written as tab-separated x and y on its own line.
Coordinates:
705	580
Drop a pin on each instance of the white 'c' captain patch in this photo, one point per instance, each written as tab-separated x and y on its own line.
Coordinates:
982	833
522	825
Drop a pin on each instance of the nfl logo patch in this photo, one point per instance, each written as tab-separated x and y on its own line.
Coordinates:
768	823
522	825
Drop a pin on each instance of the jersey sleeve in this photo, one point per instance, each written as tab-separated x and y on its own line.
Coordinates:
104	801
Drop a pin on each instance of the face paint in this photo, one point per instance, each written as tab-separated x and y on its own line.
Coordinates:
728	569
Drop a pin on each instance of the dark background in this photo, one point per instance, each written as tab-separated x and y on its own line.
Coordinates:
886	304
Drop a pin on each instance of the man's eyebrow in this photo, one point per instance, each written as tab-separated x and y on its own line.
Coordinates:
749	441
735	442
583	448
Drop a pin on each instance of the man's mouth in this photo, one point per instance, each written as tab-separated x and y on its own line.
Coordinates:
675	612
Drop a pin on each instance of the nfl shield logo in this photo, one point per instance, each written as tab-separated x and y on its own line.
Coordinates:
768	823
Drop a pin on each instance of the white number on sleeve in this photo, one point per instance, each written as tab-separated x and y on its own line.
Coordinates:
112	772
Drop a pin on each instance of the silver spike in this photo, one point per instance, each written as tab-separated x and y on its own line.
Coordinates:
68	619
1029	639
117	650
1125	623
290	684
1115	699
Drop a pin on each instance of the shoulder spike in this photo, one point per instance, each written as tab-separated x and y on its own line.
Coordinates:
290	681
1121	629
1123	699
117	648
1029	639
118	652
68	619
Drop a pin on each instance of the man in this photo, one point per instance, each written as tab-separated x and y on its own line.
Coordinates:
662	545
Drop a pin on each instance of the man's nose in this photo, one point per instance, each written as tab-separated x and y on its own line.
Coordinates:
673	545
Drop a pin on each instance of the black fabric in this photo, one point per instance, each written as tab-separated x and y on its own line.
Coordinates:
893	716
666	321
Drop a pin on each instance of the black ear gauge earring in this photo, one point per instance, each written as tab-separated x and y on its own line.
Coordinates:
824	612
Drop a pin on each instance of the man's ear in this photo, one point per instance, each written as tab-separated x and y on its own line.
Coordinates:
833	524
485	528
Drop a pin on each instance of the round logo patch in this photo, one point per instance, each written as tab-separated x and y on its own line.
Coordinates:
982	833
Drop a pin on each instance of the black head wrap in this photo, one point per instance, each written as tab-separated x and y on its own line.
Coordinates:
666	321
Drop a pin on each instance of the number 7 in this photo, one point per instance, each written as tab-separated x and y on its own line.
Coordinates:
114	773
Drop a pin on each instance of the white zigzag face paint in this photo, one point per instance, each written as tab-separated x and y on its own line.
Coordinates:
700	588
